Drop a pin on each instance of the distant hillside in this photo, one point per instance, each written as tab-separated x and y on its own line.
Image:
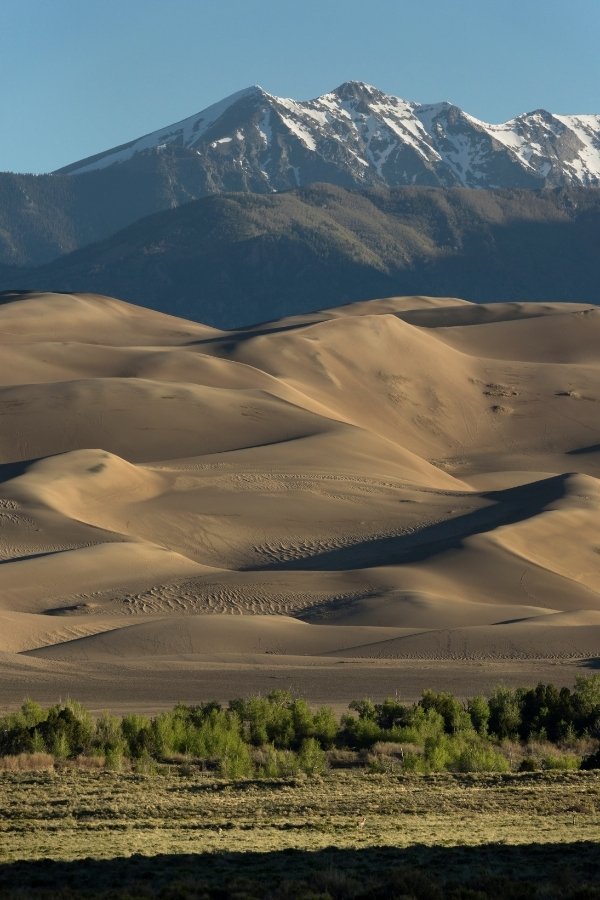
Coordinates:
234	259
43	217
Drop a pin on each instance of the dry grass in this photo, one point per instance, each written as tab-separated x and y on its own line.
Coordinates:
27	762
76	813
448	824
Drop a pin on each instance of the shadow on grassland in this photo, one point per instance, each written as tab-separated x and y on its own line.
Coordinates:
569	871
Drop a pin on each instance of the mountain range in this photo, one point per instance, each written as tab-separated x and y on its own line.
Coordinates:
260	206
354	137
357	136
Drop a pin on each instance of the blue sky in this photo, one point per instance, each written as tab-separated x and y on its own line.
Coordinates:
80	76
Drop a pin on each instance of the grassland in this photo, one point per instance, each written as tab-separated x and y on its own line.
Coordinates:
176	833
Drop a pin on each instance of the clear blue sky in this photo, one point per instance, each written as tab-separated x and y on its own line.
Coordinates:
80	76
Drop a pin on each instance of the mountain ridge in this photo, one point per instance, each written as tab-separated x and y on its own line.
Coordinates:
367	137
355	137
236	259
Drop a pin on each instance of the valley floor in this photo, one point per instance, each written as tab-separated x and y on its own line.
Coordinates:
156	685
342	835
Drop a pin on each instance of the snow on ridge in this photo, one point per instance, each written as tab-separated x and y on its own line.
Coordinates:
367	125
299	131
189	130
587	130
264	127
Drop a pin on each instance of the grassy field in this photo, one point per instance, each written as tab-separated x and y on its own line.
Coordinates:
348	834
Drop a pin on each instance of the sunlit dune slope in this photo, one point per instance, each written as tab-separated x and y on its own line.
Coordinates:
400	478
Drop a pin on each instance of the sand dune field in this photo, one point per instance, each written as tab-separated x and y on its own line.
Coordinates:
382	497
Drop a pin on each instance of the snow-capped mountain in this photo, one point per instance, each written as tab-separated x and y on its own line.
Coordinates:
358	136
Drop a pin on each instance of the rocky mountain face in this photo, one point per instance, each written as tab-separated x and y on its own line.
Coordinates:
234	259
358	136
354	137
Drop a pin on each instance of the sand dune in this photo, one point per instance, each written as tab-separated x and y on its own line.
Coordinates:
273	635
403	479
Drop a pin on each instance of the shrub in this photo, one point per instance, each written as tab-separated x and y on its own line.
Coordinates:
561	761
113	761
392	714
478	758
358	734
421	724
137	735
479	711
279	736
365	708
89	762
31	714
108	734
453	714
60	746
145	765
325	727
437	753
312	759
236	763
505	714
415	762
273	763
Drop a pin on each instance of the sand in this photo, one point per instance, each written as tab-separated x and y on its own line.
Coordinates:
381	497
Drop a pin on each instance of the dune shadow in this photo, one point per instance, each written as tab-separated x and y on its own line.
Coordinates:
592	663
10	470
229	340
565	870
508	507
38	555
581	451
12	296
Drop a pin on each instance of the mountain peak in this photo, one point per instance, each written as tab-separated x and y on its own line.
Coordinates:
355	90
357	135
254	90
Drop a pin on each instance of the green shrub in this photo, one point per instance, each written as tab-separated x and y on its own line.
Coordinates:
145	765
107	733
561	761
438	753
312	759
505	714
479	712
455	717
236	763
478	758
60	747
137	735
113	760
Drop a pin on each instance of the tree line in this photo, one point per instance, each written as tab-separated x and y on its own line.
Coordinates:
281	735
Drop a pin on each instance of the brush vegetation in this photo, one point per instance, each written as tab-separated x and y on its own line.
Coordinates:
526	729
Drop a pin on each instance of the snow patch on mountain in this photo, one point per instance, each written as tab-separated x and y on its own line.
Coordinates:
358	134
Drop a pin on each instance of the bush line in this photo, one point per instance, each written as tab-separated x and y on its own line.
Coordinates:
278	736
